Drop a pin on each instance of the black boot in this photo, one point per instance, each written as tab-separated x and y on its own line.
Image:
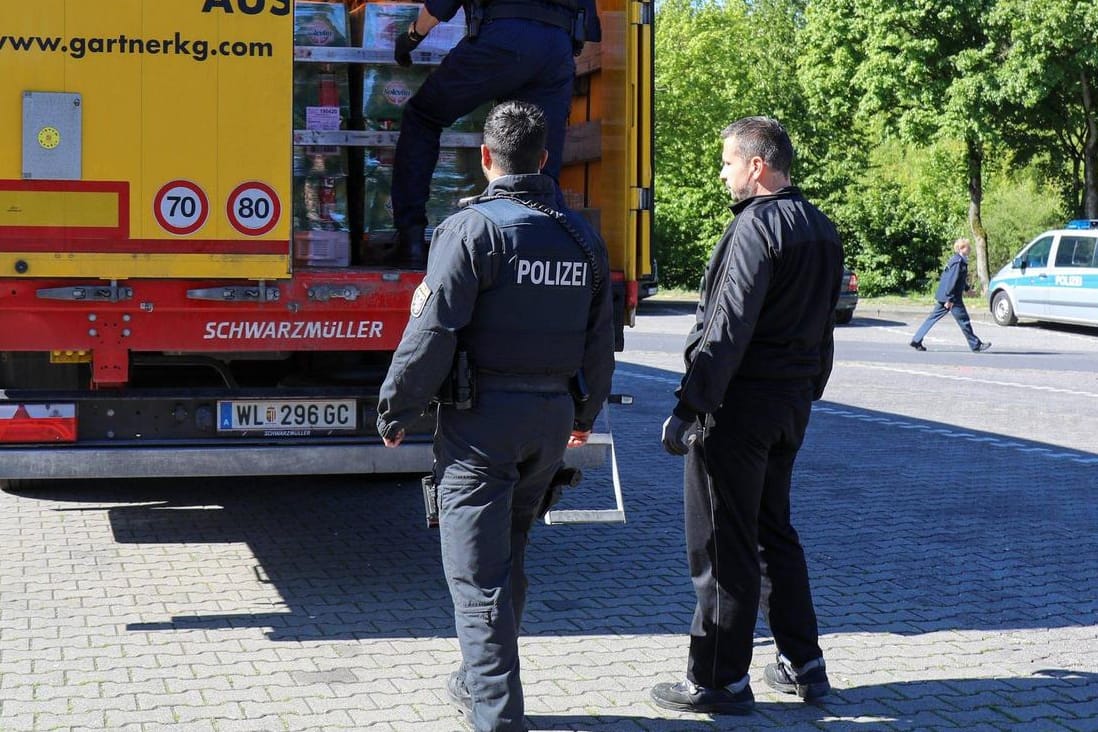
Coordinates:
411	242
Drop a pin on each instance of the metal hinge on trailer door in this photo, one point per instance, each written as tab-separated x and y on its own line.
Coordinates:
236	293
324	293
642	198
85	293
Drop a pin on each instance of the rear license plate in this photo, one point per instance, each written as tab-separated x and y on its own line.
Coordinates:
304	414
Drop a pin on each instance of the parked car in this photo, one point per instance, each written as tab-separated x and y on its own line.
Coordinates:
848	298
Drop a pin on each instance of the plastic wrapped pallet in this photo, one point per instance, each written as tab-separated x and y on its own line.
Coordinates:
321	97
457	176
320	160
321	232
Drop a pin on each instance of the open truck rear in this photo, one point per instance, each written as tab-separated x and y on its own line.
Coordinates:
155	318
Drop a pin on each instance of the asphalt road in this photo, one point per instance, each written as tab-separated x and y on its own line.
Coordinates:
945	499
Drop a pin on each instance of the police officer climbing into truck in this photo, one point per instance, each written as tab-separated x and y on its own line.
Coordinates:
514	49
516	296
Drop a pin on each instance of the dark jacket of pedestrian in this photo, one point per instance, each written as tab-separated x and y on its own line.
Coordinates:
954	282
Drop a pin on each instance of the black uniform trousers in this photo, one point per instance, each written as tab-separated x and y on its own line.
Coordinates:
493	465
511	59
740	542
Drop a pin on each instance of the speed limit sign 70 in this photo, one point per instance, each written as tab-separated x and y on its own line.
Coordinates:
181	207
253	208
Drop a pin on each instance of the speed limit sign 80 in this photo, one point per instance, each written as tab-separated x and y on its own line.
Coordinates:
181	207
253	208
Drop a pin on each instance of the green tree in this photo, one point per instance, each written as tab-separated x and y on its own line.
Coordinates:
1047	71
698	85
717	61
923	74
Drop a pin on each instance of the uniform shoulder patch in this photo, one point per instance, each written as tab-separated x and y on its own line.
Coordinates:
420	298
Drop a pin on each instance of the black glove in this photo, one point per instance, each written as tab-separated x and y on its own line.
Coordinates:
678	435
405	44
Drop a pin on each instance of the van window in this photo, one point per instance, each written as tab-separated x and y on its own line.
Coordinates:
1037	254
1075	251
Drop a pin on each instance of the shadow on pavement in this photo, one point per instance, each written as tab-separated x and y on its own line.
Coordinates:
869	322
910	527
992	703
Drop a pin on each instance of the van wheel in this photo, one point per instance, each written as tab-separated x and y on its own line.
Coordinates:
843	317
1002	310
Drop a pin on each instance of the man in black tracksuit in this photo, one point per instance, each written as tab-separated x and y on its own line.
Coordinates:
523	289
759	354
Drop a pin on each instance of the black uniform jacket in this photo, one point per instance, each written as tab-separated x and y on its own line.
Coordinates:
767	302
519	298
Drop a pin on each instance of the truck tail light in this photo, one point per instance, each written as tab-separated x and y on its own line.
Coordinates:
37	423
852	286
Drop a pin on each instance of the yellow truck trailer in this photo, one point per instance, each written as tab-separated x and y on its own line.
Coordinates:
162	310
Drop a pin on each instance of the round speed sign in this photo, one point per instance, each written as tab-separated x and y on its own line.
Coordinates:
253	208
181	207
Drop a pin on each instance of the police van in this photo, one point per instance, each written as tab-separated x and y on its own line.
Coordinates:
1053	279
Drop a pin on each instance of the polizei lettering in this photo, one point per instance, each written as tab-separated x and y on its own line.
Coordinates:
311	330
549	272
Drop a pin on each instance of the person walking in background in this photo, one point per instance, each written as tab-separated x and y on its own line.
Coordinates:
950	296
759	354
494	297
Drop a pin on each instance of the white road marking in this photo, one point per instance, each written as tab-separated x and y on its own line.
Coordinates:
993	441
973	379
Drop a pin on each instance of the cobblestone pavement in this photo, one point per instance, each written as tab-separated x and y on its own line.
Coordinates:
951	594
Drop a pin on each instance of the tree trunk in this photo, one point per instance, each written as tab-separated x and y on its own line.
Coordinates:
975	150
1090	150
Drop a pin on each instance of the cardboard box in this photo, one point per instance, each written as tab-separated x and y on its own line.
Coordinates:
385	91
322	249
321	24
382	22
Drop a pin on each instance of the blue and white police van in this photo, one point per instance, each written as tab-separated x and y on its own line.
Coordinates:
1054	278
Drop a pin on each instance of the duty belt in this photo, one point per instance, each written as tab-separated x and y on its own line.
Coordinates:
526	383
555	15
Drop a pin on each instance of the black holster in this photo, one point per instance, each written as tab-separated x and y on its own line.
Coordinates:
579	31
459	390
430	500
474	16
563	478
577	387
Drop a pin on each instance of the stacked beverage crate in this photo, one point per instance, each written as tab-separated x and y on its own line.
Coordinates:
322	234
386	90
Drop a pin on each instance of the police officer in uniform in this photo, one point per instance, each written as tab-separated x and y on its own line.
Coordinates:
520	290
759	354
515	49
